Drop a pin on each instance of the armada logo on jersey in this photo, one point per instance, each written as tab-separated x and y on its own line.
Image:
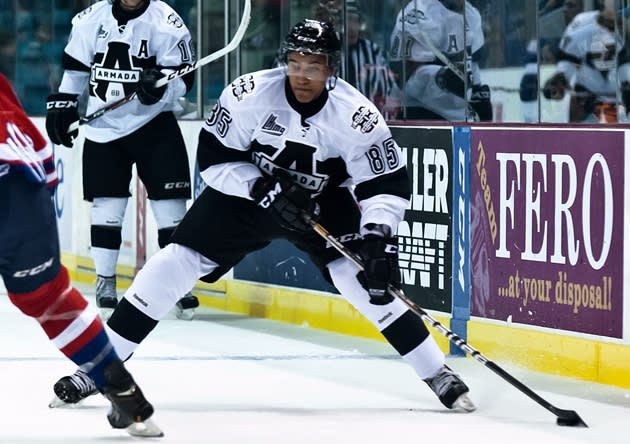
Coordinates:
174	20
116	75
243	85
271	127
311	182
365	118
114	66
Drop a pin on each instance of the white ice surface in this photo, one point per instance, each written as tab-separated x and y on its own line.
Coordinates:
223	379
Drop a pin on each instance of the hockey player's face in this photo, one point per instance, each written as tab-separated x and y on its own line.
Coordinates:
131	5
307	75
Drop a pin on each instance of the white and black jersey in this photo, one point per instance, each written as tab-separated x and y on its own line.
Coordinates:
338	140
422	19
107	50
588	56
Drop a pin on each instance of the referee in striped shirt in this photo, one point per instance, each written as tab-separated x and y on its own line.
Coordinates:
364	65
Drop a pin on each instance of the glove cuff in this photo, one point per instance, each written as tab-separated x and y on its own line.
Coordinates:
376	230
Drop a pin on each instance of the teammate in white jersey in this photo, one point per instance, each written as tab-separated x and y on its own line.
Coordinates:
36	281
426	31
587	63
282	144
116	48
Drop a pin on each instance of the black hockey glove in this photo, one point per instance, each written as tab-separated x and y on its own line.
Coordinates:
555	87
480	102
528	90
146	91
61	111
446	79
380	260
290	205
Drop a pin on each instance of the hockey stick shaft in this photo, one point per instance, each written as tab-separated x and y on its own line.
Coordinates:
564	417
450	65
442	57
236	40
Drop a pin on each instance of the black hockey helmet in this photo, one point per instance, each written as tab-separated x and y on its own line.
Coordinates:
313	37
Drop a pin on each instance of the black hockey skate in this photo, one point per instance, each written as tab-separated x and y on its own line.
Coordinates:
451	390
72	389
106	296
185	307
130	409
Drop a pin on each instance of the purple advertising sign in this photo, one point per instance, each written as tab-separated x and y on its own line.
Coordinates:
547	228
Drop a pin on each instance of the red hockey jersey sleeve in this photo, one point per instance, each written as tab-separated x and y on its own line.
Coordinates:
22	146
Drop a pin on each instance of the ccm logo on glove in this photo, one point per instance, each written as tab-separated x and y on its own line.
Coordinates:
290	205
61	104
270	196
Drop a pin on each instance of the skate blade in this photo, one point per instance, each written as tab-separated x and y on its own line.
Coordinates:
463	403
146	429
106	313
185	315
58	403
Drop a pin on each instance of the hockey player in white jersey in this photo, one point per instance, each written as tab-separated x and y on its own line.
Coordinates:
587	64
116	48
425	33
281	144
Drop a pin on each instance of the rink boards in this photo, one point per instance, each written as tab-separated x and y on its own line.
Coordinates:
514	238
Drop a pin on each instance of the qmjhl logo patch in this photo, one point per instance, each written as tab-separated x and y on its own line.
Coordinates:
365	119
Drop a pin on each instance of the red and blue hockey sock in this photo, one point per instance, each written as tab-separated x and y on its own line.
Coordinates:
70	323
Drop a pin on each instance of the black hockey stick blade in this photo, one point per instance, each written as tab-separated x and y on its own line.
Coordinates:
563	417
569	418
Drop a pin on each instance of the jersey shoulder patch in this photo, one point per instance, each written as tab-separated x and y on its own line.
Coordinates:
365	118
242	86
82	16
174	20
168	14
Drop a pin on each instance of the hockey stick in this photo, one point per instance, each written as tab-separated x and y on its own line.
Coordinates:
450	65
564	417
236	40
